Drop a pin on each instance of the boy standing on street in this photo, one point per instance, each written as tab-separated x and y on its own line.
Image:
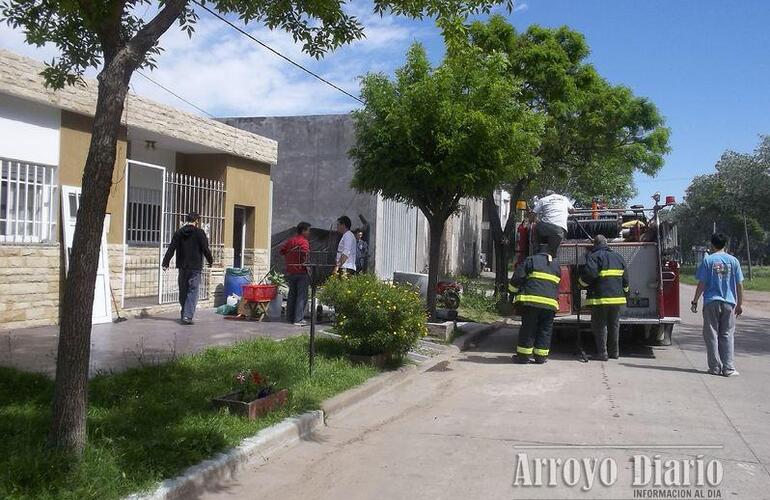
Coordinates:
295	251
720	281
346	250
190	245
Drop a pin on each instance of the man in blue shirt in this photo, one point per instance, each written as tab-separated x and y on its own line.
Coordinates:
720	281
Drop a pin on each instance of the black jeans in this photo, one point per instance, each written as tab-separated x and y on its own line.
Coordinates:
296	303
605	324
551	235
535	332
189	282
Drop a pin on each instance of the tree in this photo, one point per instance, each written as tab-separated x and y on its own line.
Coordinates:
734	198
437	135
596	135
110	34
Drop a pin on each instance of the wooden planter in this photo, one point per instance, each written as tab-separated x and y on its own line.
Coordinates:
251	409
377	360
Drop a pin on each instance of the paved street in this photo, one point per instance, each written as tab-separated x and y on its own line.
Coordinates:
456	431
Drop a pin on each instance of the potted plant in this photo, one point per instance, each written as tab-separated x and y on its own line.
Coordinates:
253	395
276	305
376	321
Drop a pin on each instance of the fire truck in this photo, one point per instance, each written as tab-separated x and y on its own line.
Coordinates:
646	239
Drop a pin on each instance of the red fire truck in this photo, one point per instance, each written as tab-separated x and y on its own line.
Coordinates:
648	243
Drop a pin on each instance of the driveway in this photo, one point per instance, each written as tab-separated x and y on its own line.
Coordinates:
476	425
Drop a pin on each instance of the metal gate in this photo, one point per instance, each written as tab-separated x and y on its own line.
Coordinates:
395	238
183	194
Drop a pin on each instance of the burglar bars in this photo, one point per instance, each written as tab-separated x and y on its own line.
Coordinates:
28	202
184	194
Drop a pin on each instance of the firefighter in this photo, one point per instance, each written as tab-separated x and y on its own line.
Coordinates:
536	285
606	278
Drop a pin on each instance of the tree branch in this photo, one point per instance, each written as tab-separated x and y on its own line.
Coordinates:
146	37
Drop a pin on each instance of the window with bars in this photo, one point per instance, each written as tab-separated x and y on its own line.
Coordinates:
143	218
28	202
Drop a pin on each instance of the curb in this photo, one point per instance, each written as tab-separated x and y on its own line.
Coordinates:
225	466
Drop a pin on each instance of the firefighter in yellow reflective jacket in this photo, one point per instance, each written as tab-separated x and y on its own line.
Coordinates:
536	285
606	278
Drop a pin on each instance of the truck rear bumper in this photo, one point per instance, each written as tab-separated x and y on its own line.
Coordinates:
586	318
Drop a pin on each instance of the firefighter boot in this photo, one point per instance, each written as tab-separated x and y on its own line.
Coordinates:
520	359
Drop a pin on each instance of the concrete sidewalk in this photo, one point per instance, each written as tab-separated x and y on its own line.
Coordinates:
135	342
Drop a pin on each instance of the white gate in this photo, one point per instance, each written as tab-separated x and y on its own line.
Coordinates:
183	194
395	246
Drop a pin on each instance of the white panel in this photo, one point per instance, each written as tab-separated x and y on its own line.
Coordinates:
29	131
396	238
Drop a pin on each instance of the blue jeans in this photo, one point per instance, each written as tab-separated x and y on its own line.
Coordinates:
189	282
719	333
296	303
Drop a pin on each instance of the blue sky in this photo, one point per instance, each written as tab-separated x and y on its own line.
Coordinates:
704	63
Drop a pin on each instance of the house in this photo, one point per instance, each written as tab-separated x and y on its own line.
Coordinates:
168	163
313	185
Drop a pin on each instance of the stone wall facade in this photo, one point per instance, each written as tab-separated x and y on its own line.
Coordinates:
29	285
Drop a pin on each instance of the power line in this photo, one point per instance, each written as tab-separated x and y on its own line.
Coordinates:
251	37
175	94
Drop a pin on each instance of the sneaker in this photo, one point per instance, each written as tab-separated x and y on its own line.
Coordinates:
714	372
301	323
730	373
187	321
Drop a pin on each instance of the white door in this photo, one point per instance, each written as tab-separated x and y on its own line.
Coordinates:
102	312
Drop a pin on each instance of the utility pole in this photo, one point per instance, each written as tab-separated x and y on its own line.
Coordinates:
748	249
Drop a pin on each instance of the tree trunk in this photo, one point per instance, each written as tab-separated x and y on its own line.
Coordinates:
68	425
436	232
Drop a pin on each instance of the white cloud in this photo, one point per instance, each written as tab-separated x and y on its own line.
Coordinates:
520	7
227	74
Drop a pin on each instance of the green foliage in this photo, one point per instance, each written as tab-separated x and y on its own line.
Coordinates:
738	188
596	134
478	302
87	32
760	283
436	135
150	423
374	317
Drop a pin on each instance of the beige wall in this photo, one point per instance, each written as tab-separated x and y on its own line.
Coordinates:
247	184
29	286
75	140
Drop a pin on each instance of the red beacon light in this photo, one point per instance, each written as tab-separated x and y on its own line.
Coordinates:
670	200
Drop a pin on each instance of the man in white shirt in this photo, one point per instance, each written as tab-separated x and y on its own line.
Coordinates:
552	211
346	250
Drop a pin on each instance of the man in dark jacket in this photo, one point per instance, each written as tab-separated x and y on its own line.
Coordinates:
606	278
536	285
190	245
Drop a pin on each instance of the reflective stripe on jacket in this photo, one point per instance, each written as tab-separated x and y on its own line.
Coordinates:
606	278
536	282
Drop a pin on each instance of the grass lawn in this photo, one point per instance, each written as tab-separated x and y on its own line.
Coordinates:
477	302
761	281
150	423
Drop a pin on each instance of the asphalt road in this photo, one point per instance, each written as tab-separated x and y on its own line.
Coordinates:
475	426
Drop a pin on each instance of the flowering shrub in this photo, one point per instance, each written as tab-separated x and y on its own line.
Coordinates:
253	384
374	317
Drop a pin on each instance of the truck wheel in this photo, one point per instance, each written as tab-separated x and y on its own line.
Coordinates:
661	335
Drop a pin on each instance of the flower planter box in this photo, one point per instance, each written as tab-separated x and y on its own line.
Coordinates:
251	409
376	360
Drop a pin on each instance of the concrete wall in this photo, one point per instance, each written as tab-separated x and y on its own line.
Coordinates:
312	179
29	131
